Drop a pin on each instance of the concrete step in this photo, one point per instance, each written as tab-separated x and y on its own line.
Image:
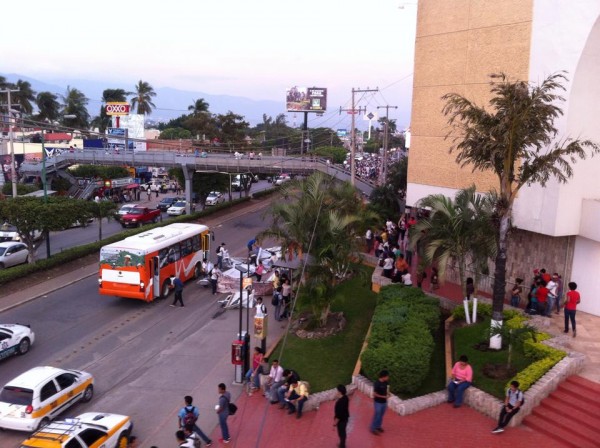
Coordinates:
561	419
583	382
584	418
572	392
566	437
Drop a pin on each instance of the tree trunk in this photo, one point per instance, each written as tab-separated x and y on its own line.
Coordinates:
500	278
100	228
324	314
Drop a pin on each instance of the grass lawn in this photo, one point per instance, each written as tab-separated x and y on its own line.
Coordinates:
327	362
464	341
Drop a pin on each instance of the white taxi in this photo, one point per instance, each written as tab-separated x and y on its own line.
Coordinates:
89	430
178	208
15	339
36	397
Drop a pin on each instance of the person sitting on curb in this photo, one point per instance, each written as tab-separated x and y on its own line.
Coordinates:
296	397
274	381
462	377
288	376
512	404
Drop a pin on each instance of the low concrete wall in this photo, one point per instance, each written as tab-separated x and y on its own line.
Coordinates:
378	280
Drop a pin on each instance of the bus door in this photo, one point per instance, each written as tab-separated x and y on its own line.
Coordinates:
206	237
155	277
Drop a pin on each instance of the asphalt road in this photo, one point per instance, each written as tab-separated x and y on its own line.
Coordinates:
78	236
124	343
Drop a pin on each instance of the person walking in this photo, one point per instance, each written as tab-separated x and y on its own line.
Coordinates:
220	255
223	412
462	377
381	392
177	286
341	414
571	301
512	404
188	415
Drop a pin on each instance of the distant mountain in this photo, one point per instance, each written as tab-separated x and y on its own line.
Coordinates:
170	103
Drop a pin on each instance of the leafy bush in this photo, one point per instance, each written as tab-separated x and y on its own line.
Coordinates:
266	192
407	358
401	337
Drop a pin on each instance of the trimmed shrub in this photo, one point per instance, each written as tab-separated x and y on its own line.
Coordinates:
484	311
401	337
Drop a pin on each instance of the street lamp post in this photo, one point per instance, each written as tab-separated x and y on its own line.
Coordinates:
240	373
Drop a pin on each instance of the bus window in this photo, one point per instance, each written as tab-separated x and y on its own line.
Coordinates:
186	247
196	243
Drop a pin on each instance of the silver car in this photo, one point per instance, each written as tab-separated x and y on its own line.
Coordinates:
12	254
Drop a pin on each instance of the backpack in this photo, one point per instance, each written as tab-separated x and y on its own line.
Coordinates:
275	300
218	250
189	417
232	408
193	437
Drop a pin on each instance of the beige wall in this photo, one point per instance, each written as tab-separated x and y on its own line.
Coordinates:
459	43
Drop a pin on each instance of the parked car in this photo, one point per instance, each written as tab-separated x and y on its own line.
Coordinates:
165	203
37	396
238	180
138	216
15	339
12	254
89	430
215	198
179	208
8	232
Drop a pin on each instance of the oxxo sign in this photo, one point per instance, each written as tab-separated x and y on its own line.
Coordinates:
117	108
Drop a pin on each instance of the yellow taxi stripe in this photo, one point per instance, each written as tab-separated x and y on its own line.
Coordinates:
110	433
37	413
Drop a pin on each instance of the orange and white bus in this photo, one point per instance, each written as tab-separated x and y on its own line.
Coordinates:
139	266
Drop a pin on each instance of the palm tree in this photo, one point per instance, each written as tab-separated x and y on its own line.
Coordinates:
48	106
103	121
198	107
24	97
320	216
75	103
142	99
460	230
515	138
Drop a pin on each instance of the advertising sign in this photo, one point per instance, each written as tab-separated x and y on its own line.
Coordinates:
117	108
134	123
342	133
119	141
260	327
306	99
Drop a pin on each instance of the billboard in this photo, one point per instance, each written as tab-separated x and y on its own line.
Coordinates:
134	123
117	108
306	99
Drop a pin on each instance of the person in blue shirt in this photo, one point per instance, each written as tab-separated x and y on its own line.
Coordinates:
177	286
182	417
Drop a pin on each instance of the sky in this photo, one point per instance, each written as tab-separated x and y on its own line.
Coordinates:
254	49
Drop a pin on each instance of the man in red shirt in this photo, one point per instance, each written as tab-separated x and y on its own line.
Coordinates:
542	297
571	302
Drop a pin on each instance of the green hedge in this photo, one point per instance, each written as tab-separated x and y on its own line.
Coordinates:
545	356
267	192
401	339
74	253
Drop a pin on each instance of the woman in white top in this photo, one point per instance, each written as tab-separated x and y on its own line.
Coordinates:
388	266
406	279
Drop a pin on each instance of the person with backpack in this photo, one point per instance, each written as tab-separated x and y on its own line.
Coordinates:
512	404
188	416
191	437
223	410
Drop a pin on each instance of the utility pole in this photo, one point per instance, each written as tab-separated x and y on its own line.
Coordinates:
13	173
354	111
383	173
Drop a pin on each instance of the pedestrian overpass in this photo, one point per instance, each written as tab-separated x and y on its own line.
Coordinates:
190	163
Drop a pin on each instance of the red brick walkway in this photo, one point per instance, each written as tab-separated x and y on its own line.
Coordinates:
260	424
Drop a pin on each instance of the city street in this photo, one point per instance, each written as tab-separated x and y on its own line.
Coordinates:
129	345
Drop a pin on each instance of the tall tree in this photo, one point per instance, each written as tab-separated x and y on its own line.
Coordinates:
24	97
102	121
75	103
48	106
460	230
232	127
198	107
142	98
516	139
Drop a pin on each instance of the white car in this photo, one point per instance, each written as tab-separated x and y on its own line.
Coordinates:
89	430
178	208
8	232
37	396
215	198
15	339
282	178
12	254
125	209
